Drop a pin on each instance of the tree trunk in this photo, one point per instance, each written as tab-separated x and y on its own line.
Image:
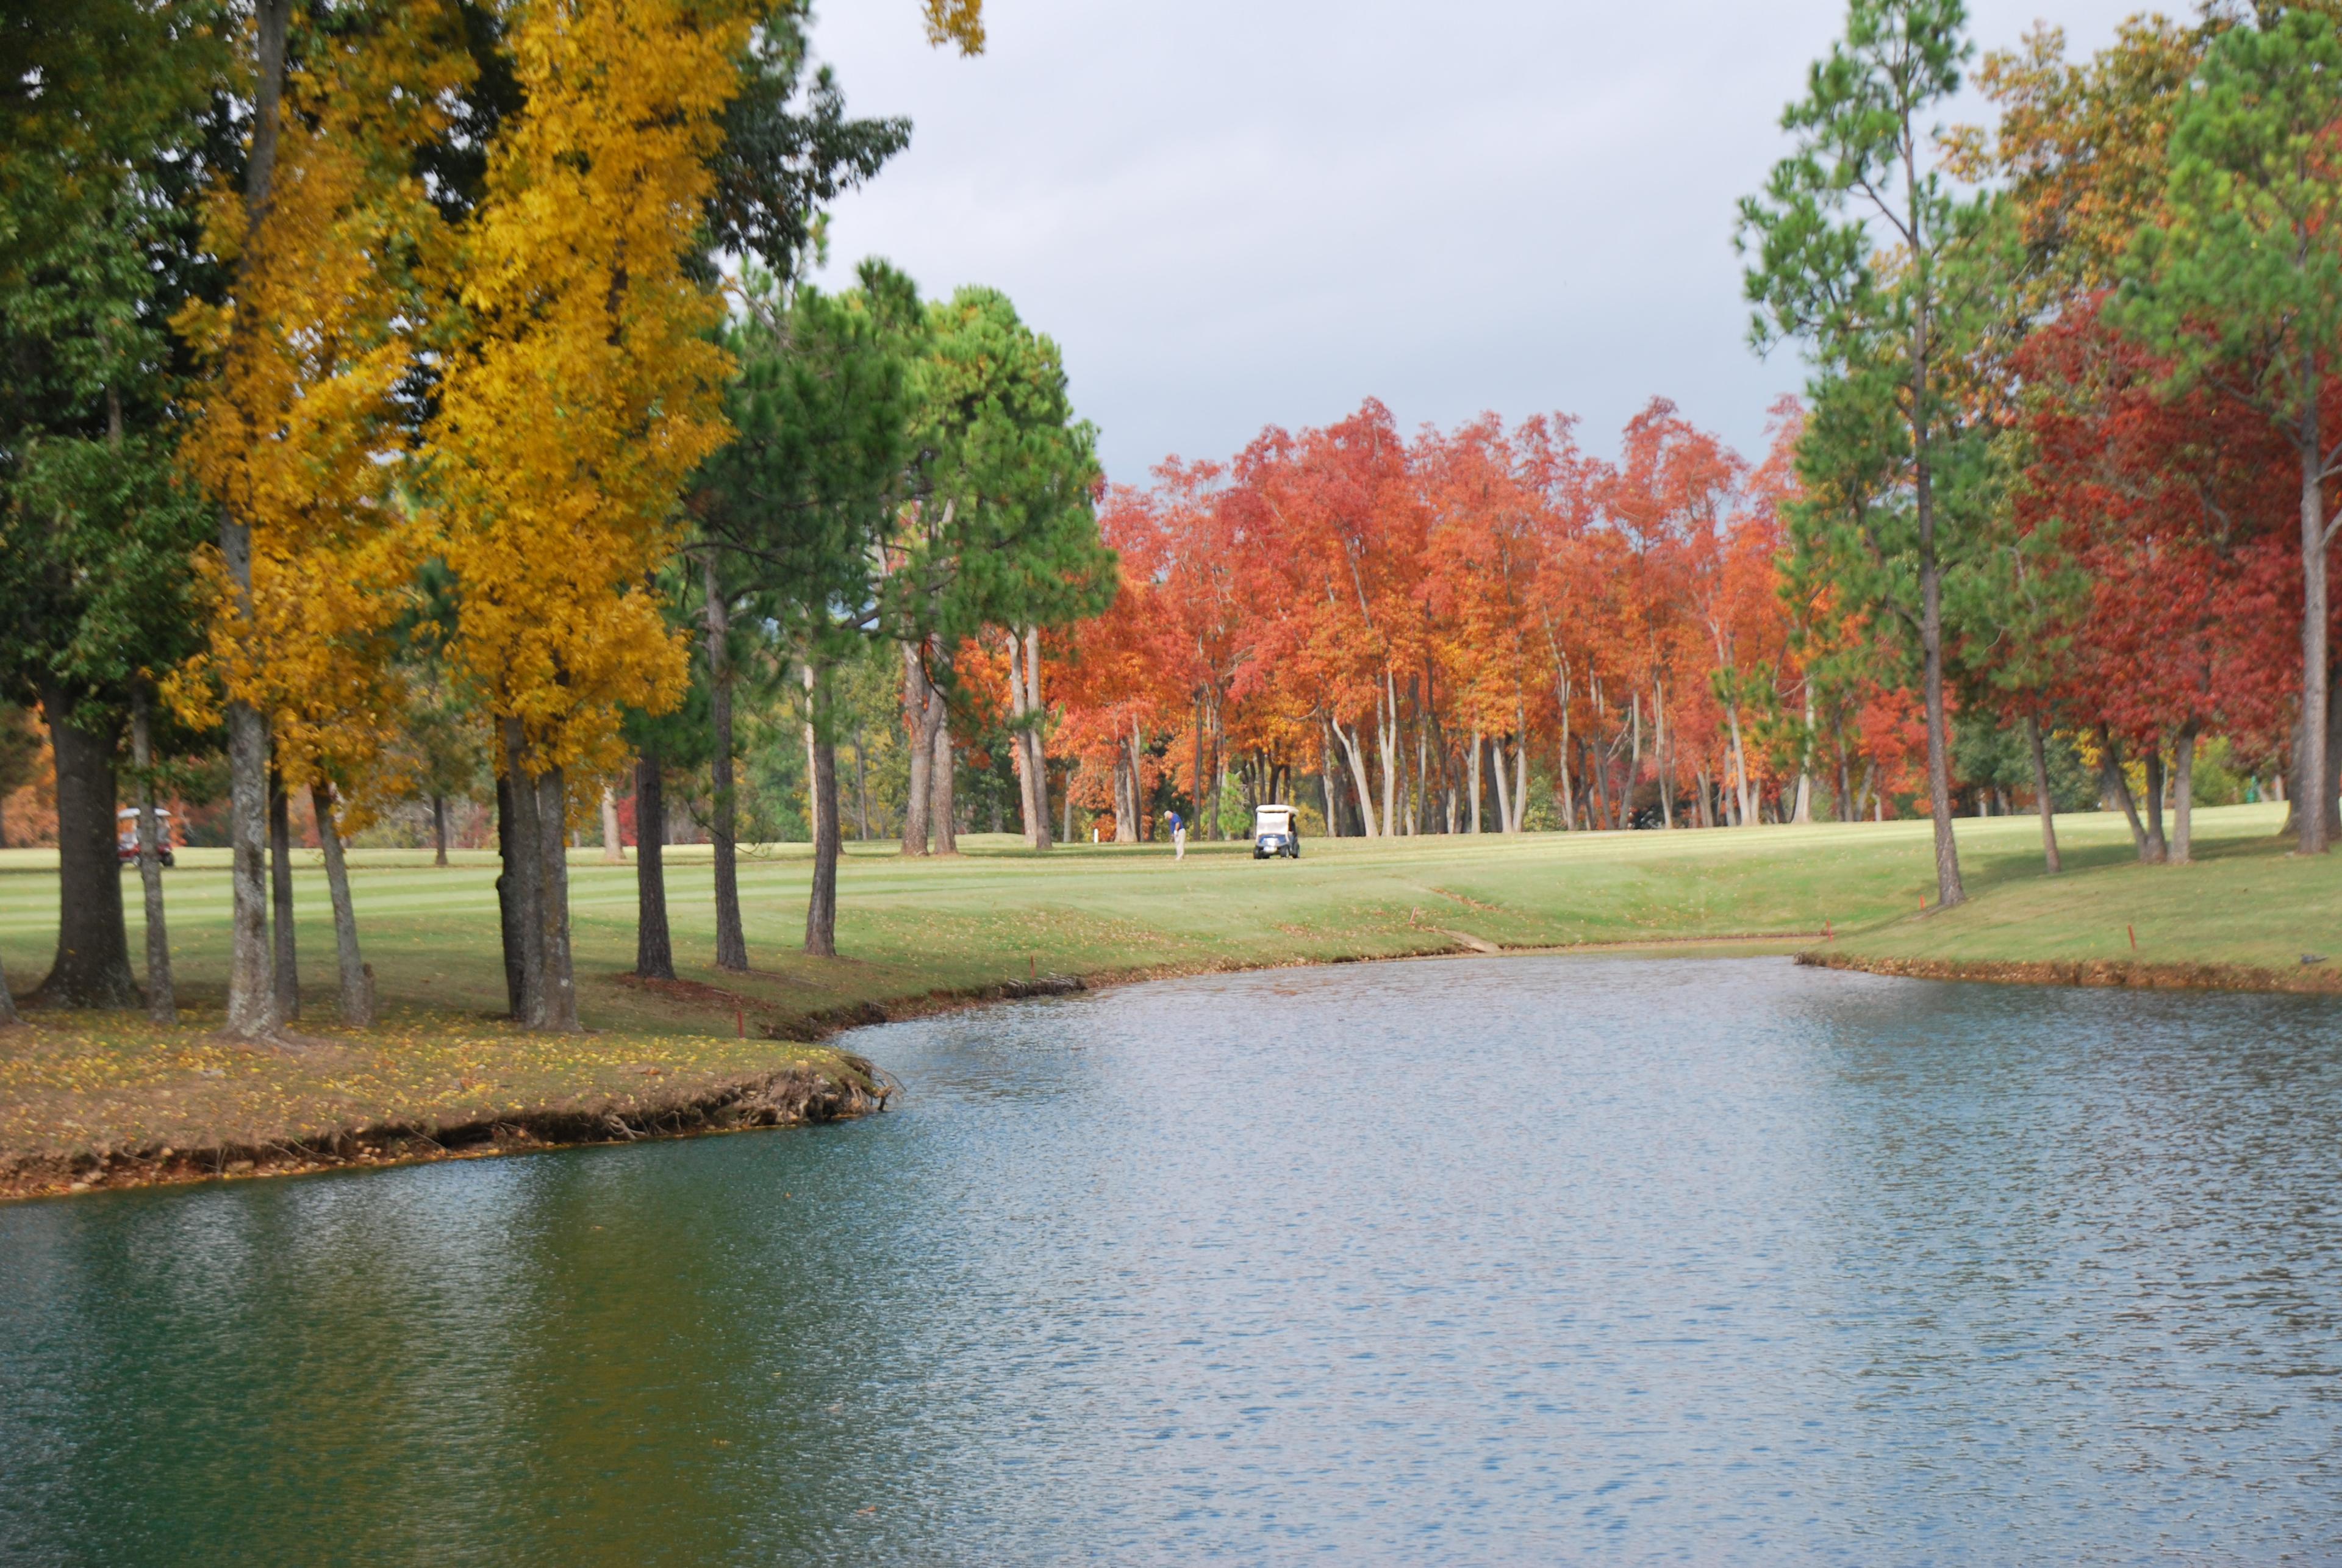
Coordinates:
1662	755
2292	797
2041	794
280	899
1138	822
560	984
439	829
1195	772
251	992
1561	777
1325	785
1743	809
2157	850
93	961
1033	810
2333	753
613	847
1359	778
731	940
1949	888
2183	795
1219	772
7	1001
1036	747
1634	756
654	948
162	995
821	908
2111	780
521	842
2312	782
1124	831
357	987
1417	819
251	988
1385	745
942	809
1472	817
1804	812
1126	805
861	788
812	796
915	728
508	904
1520	783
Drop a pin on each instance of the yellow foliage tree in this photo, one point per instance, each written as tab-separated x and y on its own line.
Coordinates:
584	392
299	431
959	21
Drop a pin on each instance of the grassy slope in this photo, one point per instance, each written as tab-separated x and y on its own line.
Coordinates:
913	928
2245	902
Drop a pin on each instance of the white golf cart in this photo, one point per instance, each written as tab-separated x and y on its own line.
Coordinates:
1274	833
125	838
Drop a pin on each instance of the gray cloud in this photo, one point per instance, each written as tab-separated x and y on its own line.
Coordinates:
1233	216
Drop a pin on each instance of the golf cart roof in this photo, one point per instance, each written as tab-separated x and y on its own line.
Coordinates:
126	812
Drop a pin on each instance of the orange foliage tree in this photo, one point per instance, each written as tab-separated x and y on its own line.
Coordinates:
1427	629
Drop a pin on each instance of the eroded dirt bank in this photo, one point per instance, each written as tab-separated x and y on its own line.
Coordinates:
2317	979
838	1086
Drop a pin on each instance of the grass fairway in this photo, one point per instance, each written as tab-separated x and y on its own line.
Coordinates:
917	930
2247	902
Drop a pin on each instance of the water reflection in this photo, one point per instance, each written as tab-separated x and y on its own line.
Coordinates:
1454	1261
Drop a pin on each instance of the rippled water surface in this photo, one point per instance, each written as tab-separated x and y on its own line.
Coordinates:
1486	1261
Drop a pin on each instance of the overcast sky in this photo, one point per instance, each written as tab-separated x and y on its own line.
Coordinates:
1236	215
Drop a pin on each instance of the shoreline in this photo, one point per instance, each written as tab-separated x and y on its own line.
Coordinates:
847	1086
793	1096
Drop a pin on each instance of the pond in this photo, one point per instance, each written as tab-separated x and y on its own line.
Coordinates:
1452	1260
